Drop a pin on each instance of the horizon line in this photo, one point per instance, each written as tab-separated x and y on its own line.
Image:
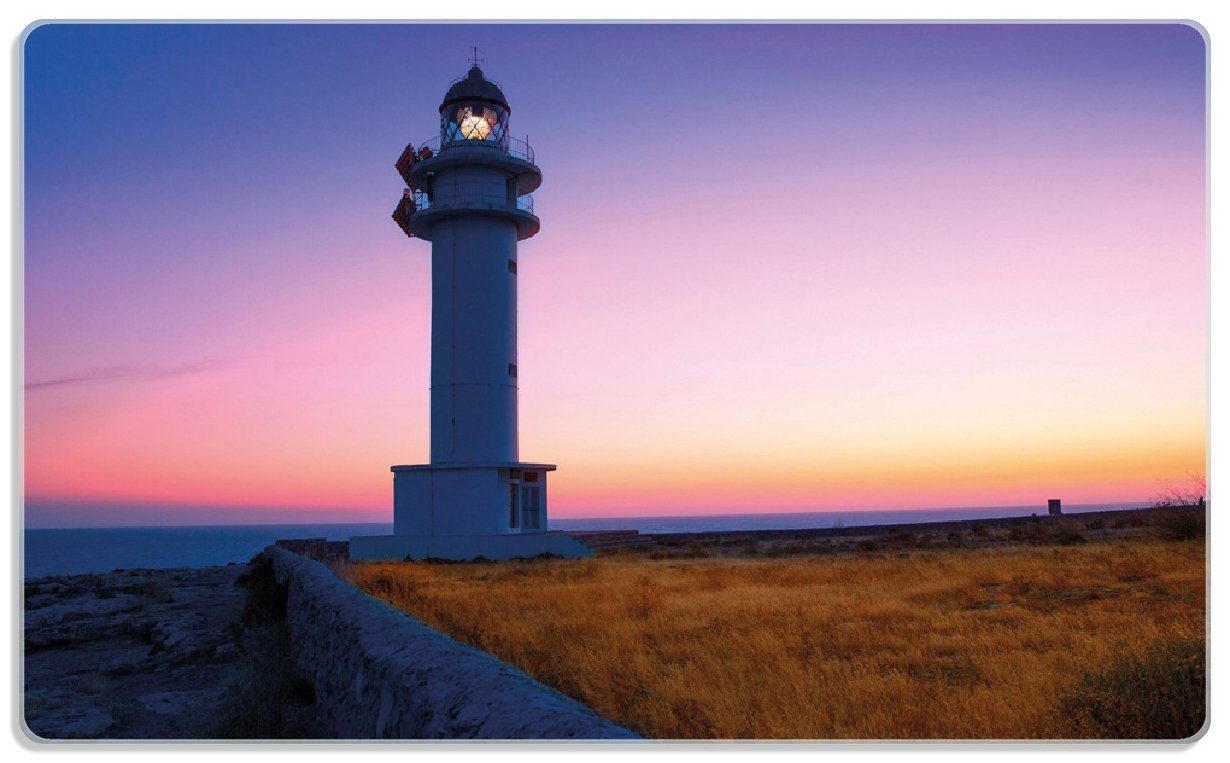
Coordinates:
1141	504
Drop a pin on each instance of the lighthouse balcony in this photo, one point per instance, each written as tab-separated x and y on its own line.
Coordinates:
517	148
511	155
423	208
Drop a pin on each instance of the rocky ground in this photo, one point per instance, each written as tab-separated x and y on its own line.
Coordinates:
130	654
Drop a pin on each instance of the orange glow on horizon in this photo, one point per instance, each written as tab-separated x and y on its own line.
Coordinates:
981	279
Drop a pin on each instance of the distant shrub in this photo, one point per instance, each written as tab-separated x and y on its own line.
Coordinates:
978	530
1179	524
1068	535
819	546
1159	695
691	551
955	538
695	551
778	550
1131	519
867	546
1095	524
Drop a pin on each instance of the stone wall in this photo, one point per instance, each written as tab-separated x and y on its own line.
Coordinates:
380	674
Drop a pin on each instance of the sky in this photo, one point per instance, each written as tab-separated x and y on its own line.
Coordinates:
781	267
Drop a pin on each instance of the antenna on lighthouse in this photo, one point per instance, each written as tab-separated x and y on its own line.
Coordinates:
475	58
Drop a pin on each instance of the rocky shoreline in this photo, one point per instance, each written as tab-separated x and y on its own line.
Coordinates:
130	654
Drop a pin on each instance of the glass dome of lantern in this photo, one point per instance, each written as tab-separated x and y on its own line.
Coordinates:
474	109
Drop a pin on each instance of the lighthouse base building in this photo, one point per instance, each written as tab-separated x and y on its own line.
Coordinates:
468	193
494	511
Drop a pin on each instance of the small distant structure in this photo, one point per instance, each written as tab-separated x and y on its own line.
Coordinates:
1053	507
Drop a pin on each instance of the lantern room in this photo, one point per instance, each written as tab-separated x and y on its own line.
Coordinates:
474	109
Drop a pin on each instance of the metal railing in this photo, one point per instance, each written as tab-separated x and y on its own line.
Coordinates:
463	195
519	148
515	147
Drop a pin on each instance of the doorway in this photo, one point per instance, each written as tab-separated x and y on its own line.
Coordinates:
514	511
530	513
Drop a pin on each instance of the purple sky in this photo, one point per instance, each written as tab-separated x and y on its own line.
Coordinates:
782	267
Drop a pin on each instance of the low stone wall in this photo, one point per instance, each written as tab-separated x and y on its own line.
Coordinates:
380	674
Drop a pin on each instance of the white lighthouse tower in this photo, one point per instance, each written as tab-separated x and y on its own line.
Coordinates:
468	193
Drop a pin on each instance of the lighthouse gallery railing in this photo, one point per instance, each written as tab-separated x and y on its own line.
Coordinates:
514	147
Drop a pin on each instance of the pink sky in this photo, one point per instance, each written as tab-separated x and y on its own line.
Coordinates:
986	290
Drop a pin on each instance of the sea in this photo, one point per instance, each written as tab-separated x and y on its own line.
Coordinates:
75	551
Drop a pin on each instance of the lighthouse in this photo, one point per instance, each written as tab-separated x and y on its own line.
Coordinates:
468	194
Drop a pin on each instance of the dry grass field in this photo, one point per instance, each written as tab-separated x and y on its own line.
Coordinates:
974	642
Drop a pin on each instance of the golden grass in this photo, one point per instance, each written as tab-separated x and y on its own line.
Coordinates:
976	643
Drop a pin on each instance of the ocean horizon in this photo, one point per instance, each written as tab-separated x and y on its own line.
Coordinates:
76	551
